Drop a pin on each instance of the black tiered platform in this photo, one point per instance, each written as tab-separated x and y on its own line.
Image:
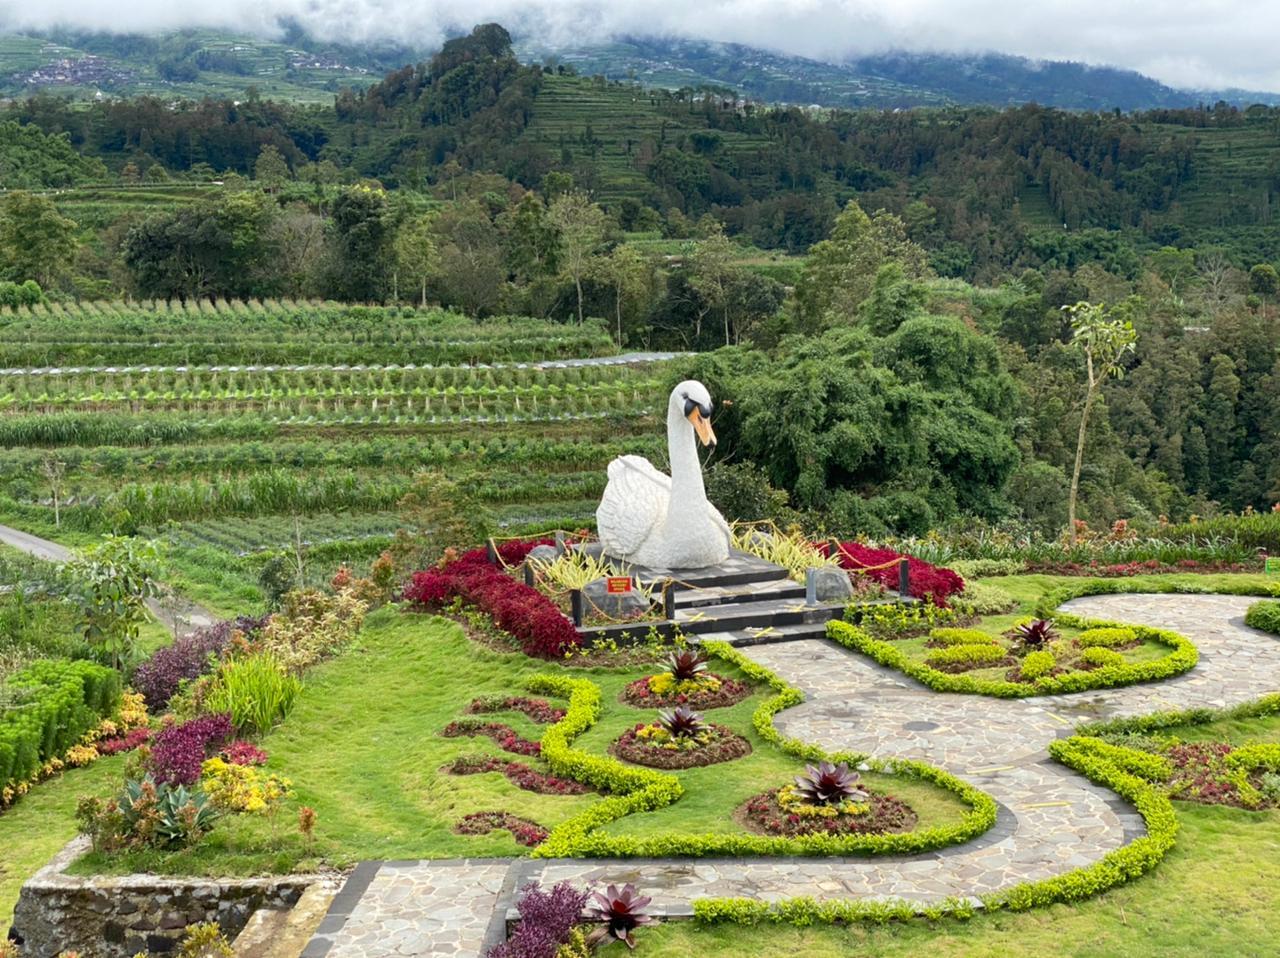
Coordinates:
744	601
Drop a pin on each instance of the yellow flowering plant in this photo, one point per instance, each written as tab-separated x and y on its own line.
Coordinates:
242	788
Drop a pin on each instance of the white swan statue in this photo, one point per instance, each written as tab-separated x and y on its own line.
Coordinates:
665	522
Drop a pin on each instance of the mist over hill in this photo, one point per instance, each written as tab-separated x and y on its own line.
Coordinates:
297	66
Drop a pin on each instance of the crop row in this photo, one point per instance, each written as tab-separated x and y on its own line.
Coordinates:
152	429
281	492
400	452
16	390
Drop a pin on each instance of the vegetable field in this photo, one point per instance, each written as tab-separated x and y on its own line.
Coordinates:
237	431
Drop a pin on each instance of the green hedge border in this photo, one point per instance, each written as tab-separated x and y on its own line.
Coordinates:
1094	759
1264	615
639	790
67	699
1182	658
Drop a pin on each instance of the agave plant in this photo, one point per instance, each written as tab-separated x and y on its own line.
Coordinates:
828	784
1036	634
681	722
686	664
620	912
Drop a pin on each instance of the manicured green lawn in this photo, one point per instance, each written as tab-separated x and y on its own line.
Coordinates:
362	747
42	821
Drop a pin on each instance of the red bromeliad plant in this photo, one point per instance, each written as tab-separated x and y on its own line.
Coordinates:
516	608
620	912
927	581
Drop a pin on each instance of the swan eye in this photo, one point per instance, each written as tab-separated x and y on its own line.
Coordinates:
689	406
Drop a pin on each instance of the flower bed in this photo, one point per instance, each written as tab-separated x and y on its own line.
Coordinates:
524	612
537	710
654	746
776	812
525	832
507	738
518	773
1147	567
927	581
710	691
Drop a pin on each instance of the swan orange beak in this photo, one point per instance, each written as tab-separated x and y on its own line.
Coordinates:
702	426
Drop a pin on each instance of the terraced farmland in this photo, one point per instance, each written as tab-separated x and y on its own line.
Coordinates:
236	431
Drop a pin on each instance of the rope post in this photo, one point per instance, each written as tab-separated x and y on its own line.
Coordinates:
669	600
810	587
491	549
904	577
575	606
528	573
560	546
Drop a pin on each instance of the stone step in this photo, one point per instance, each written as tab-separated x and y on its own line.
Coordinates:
743	638
763	614
728	595
285	932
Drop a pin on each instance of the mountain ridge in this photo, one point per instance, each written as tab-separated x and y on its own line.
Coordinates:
194	63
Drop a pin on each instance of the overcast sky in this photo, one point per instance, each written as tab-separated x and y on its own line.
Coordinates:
1188	43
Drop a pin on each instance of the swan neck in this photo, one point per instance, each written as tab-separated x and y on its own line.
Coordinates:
686	470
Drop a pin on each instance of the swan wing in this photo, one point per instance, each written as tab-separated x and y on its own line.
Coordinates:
634	504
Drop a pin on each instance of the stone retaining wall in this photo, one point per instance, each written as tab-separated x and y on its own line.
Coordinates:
118	916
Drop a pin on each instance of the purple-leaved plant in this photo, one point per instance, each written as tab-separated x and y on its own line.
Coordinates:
546	918
179	750
187	658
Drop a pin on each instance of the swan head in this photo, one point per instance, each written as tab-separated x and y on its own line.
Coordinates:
691	400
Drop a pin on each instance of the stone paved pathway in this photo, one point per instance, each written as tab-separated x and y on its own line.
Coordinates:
1051	820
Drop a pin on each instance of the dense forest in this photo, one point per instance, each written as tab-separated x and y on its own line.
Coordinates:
888	293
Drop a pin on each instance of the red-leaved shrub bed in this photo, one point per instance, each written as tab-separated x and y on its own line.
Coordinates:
720	694
518	609
525	832
506	738
927	581
518	774
1202	774
537	710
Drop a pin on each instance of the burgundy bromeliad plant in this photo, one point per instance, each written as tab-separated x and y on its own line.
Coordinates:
686	665
518	609
828	784
1035	634
620	911
681	722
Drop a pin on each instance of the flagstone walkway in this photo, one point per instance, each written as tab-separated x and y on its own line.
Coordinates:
1050	820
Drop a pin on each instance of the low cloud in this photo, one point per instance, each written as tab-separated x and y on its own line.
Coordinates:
1188	43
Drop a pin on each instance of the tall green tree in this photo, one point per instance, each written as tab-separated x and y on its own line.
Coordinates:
1105	339
580	224
415	254
362	229
36	241
630	274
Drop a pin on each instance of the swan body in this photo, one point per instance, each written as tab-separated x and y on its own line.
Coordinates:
650	519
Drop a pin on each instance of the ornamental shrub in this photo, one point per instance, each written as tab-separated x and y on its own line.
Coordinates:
1106	637
255	690
547	919
1100	657
180	750
522	611
927	581
1265	616
188	658
962	637
966	655
61	701
1037	664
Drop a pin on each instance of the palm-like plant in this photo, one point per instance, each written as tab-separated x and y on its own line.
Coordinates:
681	722
686	664
1036	634
828	784
620	912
